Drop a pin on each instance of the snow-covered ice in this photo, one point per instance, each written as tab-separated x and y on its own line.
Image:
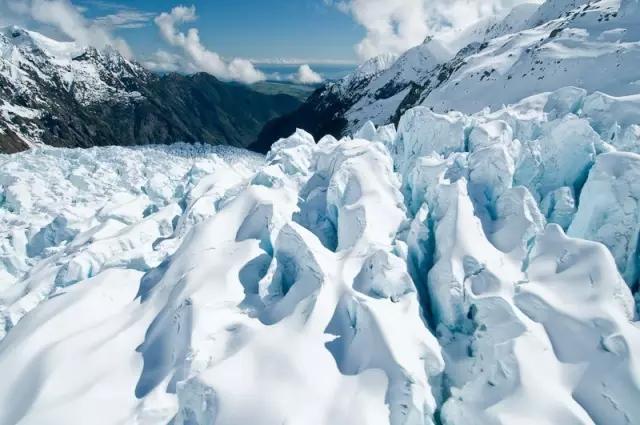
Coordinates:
413	277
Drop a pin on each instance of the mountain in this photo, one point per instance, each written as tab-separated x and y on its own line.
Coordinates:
462	270
533	49
62	94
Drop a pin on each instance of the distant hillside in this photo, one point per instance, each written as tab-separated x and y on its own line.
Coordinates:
299	91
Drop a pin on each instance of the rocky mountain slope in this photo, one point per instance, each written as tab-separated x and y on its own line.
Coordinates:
534	49
60	94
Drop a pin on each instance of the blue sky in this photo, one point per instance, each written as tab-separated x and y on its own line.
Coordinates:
247	28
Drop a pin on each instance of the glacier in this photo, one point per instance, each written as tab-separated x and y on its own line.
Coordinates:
459	269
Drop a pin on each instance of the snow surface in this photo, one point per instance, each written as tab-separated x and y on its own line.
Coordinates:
412	277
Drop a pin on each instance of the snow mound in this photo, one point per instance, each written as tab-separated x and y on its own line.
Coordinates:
412	277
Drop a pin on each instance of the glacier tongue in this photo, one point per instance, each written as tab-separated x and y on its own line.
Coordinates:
416	277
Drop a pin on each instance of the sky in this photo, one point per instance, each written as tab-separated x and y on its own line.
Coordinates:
256	29
230	38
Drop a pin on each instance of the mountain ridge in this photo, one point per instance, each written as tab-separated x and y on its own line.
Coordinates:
62	94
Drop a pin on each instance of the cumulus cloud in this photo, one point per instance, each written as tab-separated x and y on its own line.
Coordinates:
393	26
200	57
306	75
66	18
162	60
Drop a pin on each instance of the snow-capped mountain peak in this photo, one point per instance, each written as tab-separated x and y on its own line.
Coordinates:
375	65
89	71
39	74
65	94
31	42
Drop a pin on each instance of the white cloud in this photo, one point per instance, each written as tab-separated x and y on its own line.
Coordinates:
162	60
393	26
201	58
306	75
12	8
126	18
66	18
